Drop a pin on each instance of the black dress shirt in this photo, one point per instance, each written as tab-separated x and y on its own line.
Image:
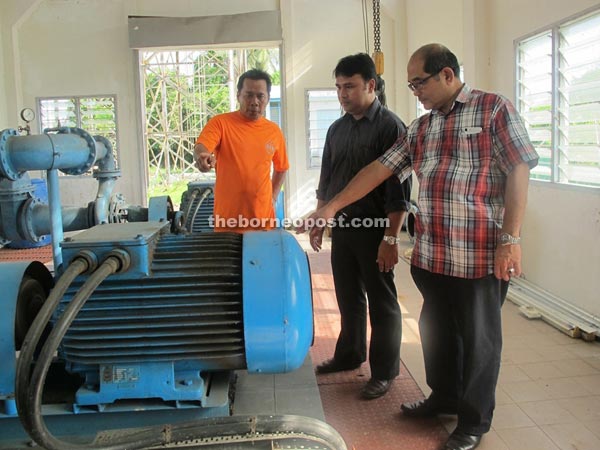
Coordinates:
351	145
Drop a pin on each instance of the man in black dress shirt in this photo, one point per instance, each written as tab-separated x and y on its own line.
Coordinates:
364	248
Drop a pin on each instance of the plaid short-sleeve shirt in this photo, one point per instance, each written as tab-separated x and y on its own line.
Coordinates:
461	160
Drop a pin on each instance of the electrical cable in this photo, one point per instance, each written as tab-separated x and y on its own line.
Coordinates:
39	324
31	411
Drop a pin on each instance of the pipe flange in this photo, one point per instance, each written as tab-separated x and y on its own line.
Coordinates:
106	174
87	137
6	167
26	220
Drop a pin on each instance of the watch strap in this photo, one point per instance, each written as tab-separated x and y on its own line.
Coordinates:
508	239
392	240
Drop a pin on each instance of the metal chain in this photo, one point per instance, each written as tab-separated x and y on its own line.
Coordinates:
376	27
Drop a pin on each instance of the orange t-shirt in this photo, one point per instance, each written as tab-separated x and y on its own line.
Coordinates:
245	150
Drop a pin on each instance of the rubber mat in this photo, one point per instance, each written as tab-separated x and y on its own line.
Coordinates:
364	424
41	254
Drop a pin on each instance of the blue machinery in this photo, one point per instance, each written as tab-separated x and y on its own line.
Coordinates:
141	310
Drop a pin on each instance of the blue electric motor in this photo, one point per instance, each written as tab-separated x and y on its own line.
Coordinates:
187	305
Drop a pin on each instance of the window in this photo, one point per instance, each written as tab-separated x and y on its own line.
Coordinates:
322	109
558	96
96	115
181	90
273	111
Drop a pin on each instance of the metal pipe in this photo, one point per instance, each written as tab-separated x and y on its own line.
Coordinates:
73	218
71	150
107	175
55	216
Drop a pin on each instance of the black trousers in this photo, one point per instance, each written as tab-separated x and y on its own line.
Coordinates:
461	335
357	277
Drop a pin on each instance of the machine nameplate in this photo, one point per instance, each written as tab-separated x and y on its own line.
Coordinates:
120	374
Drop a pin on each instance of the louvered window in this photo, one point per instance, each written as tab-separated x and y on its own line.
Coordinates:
322	109
558	95
96	115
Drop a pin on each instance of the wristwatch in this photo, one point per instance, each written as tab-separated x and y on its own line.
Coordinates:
507	239
392	240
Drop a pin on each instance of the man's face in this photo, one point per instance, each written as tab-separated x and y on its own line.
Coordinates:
253	98
430	90
355	94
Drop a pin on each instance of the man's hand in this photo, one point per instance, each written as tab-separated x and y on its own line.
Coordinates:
316	238
318	219
507	261
205	161
387	256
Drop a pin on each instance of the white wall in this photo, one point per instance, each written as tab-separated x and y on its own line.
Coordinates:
316	35
561	232
3	84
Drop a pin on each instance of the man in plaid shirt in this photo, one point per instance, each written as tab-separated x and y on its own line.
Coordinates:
472	157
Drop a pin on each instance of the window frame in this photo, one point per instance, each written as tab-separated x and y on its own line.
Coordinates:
554	30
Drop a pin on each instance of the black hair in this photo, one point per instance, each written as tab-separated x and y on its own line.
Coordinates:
436	57
254	74
361	64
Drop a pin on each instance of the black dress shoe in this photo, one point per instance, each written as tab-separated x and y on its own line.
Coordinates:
375	388
426	408
462	441
331	366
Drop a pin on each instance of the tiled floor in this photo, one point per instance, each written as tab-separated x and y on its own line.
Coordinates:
548	395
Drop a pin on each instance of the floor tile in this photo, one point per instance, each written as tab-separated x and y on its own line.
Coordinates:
563	388
593	361
526	391
528	438
590	382
584	408
593	426
510	416
510	373
577	367
492	441
572	436
548	412
542	370
521	355
502	398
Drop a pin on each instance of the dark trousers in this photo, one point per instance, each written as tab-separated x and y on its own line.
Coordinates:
461	335
356	273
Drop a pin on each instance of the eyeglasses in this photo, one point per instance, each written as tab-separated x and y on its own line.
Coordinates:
418	84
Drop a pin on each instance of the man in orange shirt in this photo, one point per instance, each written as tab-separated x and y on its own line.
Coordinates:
246	146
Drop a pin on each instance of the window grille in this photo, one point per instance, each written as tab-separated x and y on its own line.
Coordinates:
558	96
